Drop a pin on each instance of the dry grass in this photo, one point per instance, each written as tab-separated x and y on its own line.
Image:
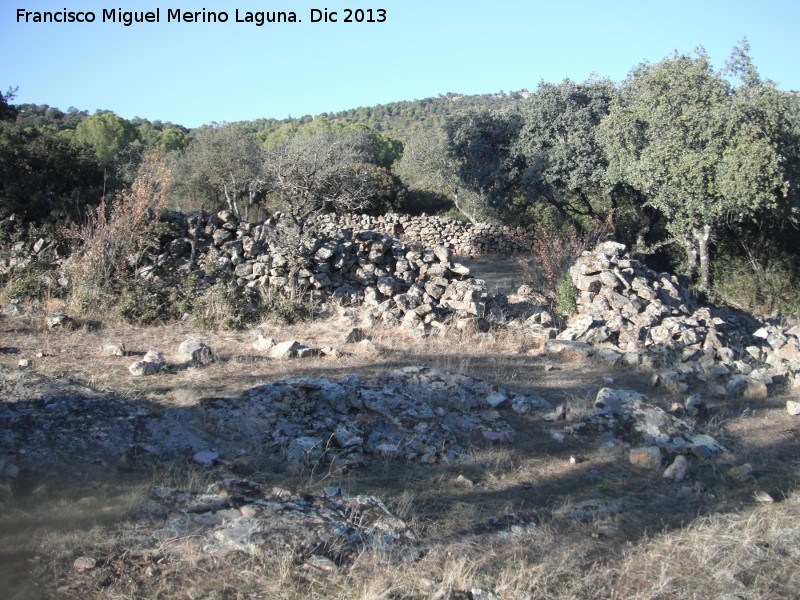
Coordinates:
696	539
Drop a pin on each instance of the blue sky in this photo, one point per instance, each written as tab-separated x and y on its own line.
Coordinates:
195	73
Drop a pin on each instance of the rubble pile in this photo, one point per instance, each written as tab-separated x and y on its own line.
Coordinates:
414	414
630	313
21	254
238	515
627	416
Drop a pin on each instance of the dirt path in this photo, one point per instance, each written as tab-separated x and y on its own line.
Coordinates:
501	274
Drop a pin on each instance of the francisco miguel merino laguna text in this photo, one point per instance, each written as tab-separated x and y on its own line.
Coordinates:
258	18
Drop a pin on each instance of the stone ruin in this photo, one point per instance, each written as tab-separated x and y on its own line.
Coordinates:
464	239
626	312
412	414
629	313
237	515
422	289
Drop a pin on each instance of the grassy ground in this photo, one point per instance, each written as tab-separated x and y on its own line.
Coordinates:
701	538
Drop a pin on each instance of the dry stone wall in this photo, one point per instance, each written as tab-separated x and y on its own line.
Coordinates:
463	239
423	288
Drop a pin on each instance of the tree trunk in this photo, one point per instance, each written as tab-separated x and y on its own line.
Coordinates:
702	236
691	256
231	201
461	209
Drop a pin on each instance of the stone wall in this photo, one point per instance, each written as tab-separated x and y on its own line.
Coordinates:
420	287
463	239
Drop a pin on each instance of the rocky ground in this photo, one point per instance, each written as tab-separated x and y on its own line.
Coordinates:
449	467
649	448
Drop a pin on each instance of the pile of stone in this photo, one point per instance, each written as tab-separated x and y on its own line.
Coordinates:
422	289
464	239
628	312
413	414
624	416
242	516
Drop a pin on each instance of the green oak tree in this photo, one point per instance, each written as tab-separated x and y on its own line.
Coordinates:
426	165
222	162
320	170
44	176
481	144
702	151
105	133
564	161
8	112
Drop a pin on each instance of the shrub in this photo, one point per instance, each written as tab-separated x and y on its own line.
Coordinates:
566	298
223	306
756	286
144	302
111	241
278	308
550	254
35	281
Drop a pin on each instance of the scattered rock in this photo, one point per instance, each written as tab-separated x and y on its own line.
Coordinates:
60	321
648	457
308	352
793	407
323	563
763	497
285	350
143	367
626	416
113	349
152	363
243	516
84	563
195	352
462	481
154	356
332	352
678	470
746	387
566	347
263	344
559	414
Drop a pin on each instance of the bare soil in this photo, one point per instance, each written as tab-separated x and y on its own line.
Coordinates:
703	537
